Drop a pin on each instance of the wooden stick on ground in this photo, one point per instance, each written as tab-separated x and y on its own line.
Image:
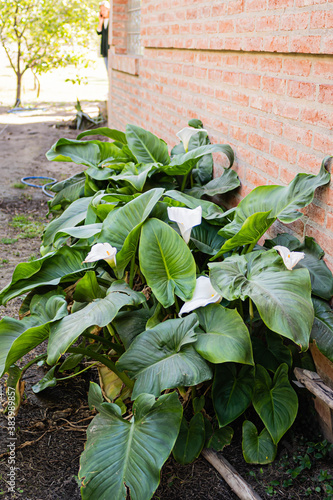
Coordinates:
314	384
242	489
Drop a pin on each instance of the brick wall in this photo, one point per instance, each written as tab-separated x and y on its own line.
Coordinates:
258	73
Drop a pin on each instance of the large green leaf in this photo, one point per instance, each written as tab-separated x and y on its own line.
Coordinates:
68	190
190	441
121	228
111	133
275	401
122	454
283	202
226	182
166	262
49	270
164	357
100	312
17	338
232	391
206	238
129	324
254	227
146	147
81	152
226	337
283	297
210	211
79	232
271	352
321	276
72	216
322	330
135	175
87	288
182	164
257	449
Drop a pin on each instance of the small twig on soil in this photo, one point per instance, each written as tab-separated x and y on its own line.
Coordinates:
27	443
242	489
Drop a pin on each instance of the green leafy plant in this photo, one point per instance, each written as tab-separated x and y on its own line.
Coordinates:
174	298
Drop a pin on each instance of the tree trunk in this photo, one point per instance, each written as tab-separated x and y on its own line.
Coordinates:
18	88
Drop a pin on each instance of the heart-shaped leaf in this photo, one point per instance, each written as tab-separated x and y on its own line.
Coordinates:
81	152
190	441
283	202
49	380
206	238
17	338
121	228
116	135
257	449
164	357
146	147
275	401
166	262
226	182
100	312
232	391
139	448
271	352
72	216
322	330
220	438
136	175
182	164
283	297
226	337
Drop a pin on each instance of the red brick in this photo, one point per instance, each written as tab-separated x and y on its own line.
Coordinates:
301	90
239	134
244	25
284	152
235	7
273	85
230	77
317	117
326	94
322	19
298	134
323	69
286	175
286	110
271	126
267	166
309	163
256	5
327	45
305	44
226	26
267	23
251	81
290	22
259	142
258	102
280	4
315	213
239	98
299	67
324	240
222	94
272	64
232	43
252	44
248	119
323	143
255	179
329	223
276	43
218	10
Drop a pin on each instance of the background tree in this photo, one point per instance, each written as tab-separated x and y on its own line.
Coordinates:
41	35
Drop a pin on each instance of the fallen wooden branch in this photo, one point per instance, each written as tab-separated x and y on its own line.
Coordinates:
315	385
242	489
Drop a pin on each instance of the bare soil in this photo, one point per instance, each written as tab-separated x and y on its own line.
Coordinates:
50	427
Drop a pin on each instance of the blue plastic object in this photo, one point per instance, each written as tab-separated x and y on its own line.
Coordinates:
43	187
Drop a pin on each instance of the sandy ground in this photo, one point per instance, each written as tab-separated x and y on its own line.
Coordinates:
25	137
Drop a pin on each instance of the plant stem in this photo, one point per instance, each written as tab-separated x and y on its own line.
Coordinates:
251	313
176	304
102	340
251	247
131	278
105	361
78	373
184	183
240	308
33	361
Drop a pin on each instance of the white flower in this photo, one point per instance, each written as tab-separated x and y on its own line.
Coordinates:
102	251
203	294
290	259
186	218
186	133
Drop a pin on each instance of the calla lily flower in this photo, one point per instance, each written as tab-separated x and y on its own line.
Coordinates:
102	251
186	218
290	259
186	133
203	295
